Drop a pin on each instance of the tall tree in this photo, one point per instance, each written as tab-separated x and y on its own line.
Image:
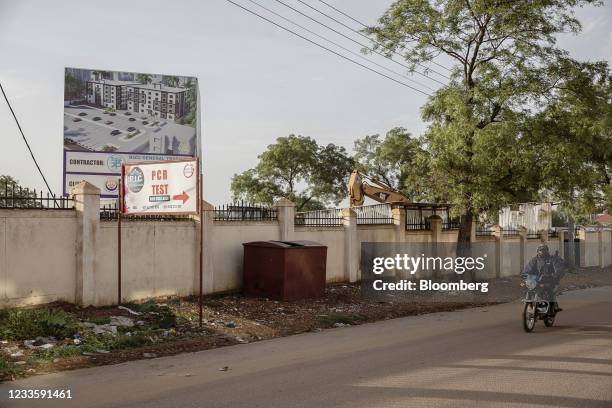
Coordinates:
504	54
398	160
297	168
572	140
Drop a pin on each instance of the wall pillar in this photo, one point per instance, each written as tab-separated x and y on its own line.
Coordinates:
435	225
208	212
523	244
399	221
473	231
352	251
286	218
498	232
600	248
561	234
86	198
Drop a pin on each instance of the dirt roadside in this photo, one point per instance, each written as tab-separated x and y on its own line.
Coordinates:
168	326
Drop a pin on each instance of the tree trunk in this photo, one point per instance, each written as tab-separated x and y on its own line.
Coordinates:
464	240
465	226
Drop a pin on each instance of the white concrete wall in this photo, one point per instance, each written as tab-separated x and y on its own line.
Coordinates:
333	238
39	253
37	256
158	259
227	250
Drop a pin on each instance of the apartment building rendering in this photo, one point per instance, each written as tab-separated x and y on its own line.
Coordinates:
155	99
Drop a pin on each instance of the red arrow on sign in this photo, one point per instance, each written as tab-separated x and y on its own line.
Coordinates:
183	197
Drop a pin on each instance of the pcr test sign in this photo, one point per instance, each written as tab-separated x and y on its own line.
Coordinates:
161	187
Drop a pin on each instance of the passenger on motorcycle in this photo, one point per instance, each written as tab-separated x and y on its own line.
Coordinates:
546	267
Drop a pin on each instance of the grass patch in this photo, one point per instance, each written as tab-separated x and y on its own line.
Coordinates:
26	324
61	351
8	369
162	316
100	320
332	318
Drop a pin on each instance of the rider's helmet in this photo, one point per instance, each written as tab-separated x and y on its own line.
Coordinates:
543	251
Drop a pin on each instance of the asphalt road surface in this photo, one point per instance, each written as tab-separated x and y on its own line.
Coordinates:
473	358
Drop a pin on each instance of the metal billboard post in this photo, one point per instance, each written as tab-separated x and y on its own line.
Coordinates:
119	214
201	212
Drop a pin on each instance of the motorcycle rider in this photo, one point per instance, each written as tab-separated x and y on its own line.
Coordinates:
544	264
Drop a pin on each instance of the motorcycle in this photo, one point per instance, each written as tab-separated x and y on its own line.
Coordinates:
539	301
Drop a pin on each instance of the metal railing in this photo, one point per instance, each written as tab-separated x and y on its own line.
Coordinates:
13	196
243	211
377	214
451	224
511	232
416	223
533	235
325	218
484	230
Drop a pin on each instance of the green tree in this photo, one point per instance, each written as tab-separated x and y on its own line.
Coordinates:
572	141
297	168
144	78
399	160
504	57
170	80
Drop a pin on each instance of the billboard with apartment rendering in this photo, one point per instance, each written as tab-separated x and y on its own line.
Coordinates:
117	117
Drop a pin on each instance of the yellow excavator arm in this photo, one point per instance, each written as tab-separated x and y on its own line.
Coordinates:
375	189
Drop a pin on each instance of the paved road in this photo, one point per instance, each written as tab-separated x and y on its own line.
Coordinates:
472	358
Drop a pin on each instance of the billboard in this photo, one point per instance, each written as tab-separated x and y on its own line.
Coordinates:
161	188
115	117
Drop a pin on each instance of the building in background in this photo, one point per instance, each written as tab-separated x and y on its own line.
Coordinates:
108	93
158	100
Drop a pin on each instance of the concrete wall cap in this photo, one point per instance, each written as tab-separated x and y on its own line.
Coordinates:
284	202
206	206
85	188
348	212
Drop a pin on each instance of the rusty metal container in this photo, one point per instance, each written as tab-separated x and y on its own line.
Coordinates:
284	270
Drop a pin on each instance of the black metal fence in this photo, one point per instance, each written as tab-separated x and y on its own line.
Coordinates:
511	232
451	224
417	223
319	218
417	216
13	196
484	230
243	211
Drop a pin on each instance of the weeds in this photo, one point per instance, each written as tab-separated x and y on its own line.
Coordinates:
332	318
30	323
8	370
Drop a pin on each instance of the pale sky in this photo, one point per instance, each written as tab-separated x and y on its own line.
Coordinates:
257	82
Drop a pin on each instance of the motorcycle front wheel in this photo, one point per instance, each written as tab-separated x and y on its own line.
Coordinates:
529	317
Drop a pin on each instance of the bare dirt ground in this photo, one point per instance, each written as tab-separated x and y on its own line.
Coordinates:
231	319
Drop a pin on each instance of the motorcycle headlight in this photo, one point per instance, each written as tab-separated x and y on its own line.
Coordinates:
531	284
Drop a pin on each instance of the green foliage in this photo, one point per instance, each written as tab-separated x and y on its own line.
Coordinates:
297	168
144	78
58	351
163	316
505	64
26	324
9	369
328	320
398	160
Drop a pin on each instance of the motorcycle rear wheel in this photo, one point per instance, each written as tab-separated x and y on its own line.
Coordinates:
549	321
529	317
